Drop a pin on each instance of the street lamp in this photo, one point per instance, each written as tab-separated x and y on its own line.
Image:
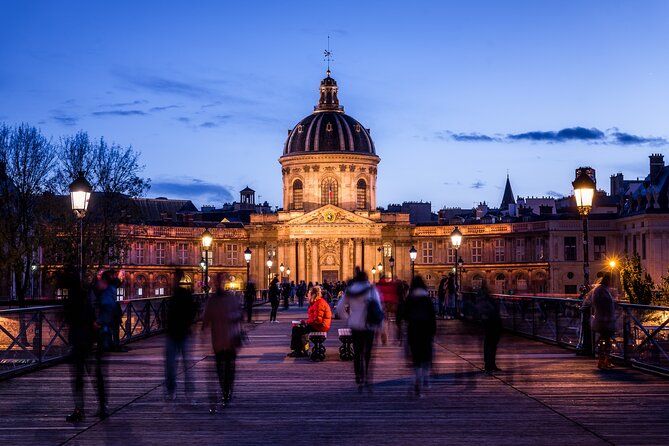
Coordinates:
247	257
456	241
80	194
282	269
288	273
382	265
584	192
391	261
373	274
207	239
412	255
269	270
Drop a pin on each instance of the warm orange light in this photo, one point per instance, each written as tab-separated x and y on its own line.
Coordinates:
612	263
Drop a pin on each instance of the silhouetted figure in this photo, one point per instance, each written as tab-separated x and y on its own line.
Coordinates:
441	297
354	305
492	327
106	304
285	294
223	314
181	311
301	293
320	318
603	320
451	291
389	292
79	316
249	298
418	312
273	297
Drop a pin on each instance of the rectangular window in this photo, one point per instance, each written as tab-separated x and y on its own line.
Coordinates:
599	248
160	253
634	250
120	293
182	253
540	250
500	247
520	250
570	289
643	246
139	253
450	254
570	249
231	253
62	293
477	251
427	250
160	291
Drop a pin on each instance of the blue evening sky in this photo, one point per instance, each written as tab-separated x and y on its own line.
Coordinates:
455	93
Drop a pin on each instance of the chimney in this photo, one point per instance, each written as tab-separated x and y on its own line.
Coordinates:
656	166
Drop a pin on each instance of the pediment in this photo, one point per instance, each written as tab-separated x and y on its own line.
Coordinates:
330	215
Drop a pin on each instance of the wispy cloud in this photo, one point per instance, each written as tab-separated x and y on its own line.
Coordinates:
119	113
163	108
587	135
161	85
199	191
65	119
477	185
552	193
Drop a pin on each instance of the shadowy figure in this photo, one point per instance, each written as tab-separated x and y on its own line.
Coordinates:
249	297
418	312
301	293
488	309
106	304
117	317
273	295
223	314
320	318
603	320
79	316
359	297
389	293
181	311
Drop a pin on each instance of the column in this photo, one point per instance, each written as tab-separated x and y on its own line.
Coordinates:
314	263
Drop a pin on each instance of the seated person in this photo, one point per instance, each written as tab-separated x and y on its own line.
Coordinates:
320	317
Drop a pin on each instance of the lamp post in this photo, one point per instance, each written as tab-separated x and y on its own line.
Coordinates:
391	261
288	274
33	268
207	239
269	271
247	257
282	269
80	194
373	274
456	241
584	191
612	264
383	258
412	255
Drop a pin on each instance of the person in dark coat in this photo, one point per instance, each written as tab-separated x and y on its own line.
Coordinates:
603	320
418	312
492	328
273	295
441	296
180	315
249	298
106	303
79	316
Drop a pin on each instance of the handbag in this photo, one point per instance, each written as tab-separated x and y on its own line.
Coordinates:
374	313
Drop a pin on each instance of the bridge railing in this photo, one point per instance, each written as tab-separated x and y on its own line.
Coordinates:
642	331
34	337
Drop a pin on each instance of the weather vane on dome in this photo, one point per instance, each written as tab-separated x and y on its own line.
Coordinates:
328	55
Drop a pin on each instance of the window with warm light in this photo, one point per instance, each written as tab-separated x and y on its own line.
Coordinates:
182	253
298	200
160	253
477	251
139	253
362	194
329	192
231	254
427	251
520	250
500	250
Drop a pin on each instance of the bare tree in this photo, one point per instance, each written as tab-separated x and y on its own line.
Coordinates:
27	160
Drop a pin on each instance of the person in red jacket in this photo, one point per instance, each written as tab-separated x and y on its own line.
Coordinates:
319	319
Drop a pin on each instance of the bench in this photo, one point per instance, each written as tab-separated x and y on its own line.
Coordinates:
346	348
318	350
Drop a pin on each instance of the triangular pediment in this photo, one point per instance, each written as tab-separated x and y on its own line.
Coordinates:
330	215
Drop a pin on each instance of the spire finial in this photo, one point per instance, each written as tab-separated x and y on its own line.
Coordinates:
328	56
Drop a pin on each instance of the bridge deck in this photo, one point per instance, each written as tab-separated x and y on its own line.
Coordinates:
544	395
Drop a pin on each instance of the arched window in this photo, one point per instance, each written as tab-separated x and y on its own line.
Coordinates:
329	192
500	283
362	194
297	195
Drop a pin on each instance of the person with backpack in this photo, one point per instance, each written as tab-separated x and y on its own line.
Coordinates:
361	305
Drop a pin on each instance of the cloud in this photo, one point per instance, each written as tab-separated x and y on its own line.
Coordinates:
570	134
193	189
209	125
552	193
65	119
157	84
119	113
183	119
477	185
166	107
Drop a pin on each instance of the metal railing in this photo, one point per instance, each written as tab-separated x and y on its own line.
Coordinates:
642	331
34	337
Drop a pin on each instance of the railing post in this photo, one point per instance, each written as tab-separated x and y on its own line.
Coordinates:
128	321
37	338
627	335
147	317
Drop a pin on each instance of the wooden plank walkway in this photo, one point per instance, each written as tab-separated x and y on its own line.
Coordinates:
545	395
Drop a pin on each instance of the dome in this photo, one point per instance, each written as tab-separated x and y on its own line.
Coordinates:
328	128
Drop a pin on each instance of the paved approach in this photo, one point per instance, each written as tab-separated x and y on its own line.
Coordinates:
544	395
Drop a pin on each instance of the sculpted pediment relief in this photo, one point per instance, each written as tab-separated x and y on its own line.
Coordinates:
330	215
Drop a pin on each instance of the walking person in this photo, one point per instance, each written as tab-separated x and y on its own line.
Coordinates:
441	297
273	297
359	298
301	293
249	297
106	303
418	312
492	328
79	316
223	315
389	293
603	320
451	291
180	316
285	294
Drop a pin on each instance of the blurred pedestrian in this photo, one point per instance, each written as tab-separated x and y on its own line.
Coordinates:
603	320
117	317
79	316
106	304
451	296
488	309
223	314
360	302
301	293
441	297
285	294
273	295
249	298
418	312
389	293
181	311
